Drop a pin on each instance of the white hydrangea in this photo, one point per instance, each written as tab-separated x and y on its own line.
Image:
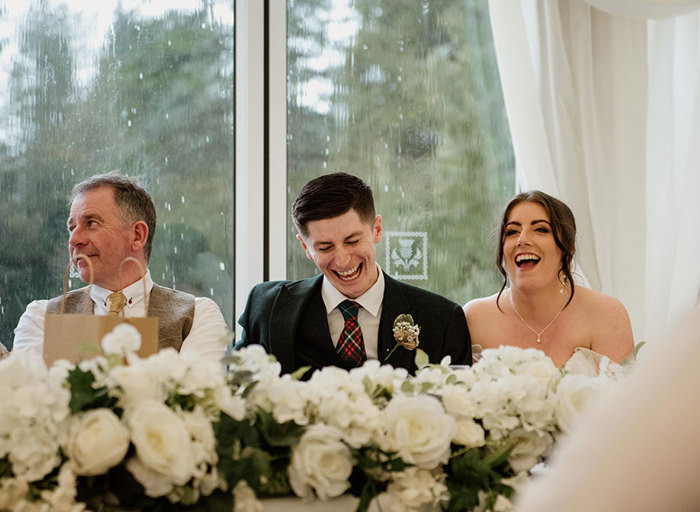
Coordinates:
34	416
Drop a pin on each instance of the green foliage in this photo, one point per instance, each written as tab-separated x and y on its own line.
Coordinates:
476	470
256	451
365	481
422	360
84	395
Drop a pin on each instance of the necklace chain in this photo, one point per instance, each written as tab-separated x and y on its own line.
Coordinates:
539	334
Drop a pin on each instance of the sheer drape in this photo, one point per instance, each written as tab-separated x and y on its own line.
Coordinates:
602	110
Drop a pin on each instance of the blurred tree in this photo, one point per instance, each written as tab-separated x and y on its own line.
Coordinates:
416	110
156	101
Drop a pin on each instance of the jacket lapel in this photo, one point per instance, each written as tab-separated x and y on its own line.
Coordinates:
284	318
395	303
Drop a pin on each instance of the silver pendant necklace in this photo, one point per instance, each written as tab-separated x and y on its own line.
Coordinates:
539	334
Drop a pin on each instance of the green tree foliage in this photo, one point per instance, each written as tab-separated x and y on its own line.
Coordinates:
416	111
156	101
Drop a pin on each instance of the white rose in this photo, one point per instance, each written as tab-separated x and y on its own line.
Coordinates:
231	404
320	463
530	447
163	443
417	487
244	499
418	428
98	441
469	434
458	401
574	394
123	339
155	484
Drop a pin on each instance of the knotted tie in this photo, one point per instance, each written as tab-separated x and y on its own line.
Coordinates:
351	346
115	303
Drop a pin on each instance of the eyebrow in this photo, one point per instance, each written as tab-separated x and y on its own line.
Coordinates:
87	216
325	242
536	221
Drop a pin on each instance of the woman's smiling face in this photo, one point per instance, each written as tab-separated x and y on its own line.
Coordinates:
530	253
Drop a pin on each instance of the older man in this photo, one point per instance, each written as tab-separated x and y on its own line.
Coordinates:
113	218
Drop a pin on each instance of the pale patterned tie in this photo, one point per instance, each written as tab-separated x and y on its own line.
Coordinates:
115	303
351	345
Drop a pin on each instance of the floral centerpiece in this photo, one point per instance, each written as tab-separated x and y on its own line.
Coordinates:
173	432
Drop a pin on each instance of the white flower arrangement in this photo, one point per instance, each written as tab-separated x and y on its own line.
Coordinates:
171	431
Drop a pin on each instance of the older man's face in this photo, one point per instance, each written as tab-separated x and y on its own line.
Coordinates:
98	231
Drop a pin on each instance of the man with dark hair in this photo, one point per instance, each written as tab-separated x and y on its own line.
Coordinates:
113	218
346	315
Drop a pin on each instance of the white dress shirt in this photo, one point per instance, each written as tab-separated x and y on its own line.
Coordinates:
368	315
207	336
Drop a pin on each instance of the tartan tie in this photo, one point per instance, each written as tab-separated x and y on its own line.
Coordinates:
351	346
115	303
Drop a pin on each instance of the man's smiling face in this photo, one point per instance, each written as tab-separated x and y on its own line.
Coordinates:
343	248
98	231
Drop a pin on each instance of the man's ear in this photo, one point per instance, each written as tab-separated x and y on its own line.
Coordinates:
377	229
139	233
303	246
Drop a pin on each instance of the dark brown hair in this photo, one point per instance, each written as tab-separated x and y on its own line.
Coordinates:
133	201
563	224
332	195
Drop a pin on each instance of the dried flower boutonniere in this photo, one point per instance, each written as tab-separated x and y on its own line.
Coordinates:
406	333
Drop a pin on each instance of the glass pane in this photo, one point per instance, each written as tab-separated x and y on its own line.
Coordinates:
407	96
142	86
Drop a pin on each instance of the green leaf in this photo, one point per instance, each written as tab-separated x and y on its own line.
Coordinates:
89	348
421	359
638	346
300	372
84	396
279	434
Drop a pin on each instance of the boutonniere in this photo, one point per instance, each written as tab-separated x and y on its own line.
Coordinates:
406	333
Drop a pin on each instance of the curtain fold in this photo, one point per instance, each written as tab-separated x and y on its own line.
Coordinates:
602	110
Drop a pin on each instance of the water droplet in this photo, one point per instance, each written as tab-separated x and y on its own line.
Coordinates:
128	123
140	76
183	199
211	291
222	266
175	249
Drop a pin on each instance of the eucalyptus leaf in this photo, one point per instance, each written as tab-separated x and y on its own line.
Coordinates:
422	360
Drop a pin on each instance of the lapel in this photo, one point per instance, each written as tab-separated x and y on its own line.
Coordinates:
394	304
284	318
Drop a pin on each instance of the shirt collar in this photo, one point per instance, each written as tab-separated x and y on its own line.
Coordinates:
134	293
371	300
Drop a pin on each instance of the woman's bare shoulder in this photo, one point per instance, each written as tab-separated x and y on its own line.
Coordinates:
599	303
480	306
607	316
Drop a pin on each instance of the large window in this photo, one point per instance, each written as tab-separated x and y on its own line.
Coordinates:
141	86
407	96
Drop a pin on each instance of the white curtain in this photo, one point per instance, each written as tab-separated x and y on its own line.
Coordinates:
603	107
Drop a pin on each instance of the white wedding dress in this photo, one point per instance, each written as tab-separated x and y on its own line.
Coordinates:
584	361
